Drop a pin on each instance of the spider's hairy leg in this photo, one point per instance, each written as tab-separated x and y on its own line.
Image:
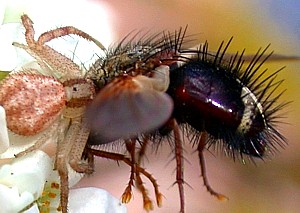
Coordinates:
52	62
62	157
29	33
41	140
63	31
75	155
52	34
47	57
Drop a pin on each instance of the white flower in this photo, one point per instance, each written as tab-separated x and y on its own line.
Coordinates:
22	181
4	141
93	199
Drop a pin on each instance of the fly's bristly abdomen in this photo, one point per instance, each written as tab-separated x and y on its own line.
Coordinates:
234	105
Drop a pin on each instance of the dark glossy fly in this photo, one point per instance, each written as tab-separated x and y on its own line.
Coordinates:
151	89
232	105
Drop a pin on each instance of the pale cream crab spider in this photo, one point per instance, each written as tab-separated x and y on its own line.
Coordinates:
34	101
55	101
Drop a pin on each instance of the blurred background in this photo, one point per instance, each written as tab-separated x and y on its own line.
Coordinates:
269	186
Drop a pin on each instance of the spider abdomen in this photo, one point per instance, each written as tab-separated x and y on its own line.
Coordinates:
31	101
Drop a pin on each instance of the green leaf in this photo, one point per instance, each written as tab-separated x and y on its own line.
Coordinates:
3	74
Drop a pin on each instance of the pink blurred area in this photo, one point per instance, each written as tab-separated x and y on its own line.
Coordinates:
270	186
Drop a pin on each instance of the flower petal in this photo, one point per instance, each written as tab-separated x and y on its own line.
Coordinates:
2	10
28	172
4	141
13	57
32	209
11	200
93	199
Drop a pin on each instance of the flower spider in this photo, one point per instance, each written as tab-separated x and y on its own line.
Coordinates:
54	102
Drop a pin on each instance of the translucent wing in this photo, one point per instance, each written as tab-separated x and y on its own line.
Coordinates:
126	107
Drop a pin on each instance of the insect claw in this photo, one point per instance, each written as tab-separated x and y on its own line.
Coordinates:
148	205
159	197
221	197
127	195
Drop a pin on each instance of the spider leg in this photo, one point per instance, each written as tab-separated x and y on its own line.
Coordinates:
63	31
46	69
77	149
63	127
29	33
49	59
64	67
64	148
89	156
41	140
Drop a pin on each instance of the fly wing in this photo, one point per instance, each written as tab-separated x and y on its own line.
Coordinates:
126	108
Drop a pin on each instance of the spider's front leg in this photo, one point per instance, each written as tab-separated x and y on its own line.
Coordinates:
75	156
63	150
52	62
75	136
